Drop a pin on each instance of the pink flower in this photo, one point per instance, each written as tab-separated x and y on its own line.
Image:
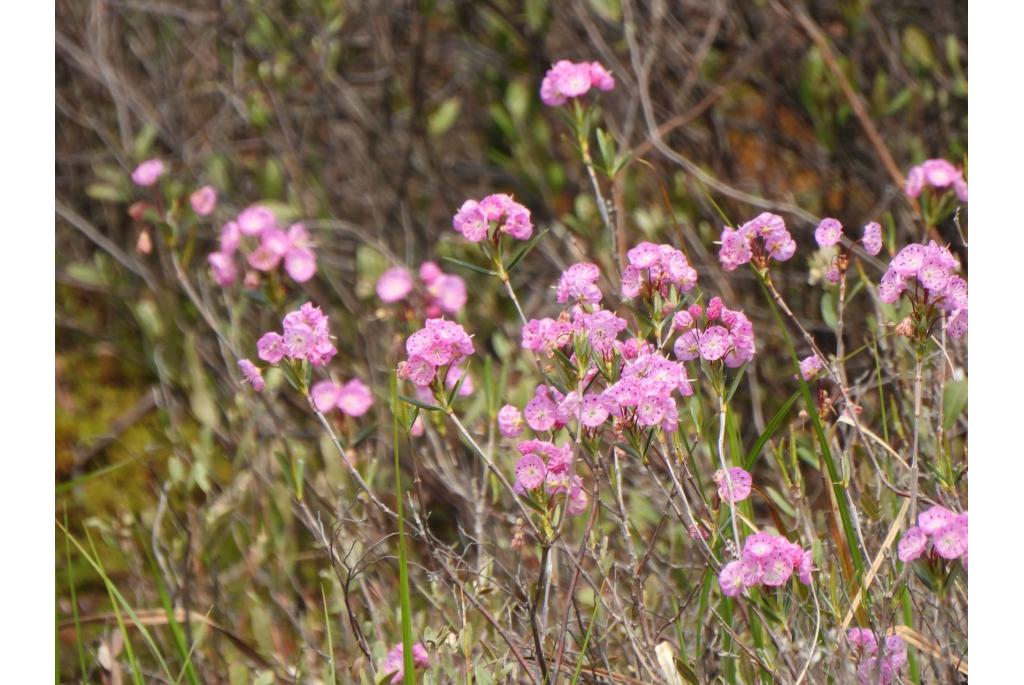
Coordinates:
912	544
455	374
223	267
828	232
713	343
230	236
730	579
600	77
735	249
270	348
510	421
325	395
660	267
394	661
686	348
264	258
593	411
871	241
148	173
204	200
429	272
449	292
354	398
806	567
935	519
439	343
915	182
563	81
300	263
863	640
530	472
810	366
252	374
735	479
471	222
579	284
394	284
759	547
739	245
541	412
936	173
255	219
951	541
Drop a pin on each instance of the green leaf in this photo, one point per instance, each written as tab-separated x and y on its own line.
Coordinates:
444	117
144	141
422	405
102	191
828	309
954	399
470	266
769	430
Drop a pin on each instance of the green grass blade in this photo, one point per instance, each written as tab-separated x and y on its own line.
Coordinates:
403	569
769	430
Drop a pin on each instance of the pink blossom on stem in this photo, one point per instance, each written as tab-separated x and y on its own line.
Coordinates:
394	284
252	374
204	200
148	172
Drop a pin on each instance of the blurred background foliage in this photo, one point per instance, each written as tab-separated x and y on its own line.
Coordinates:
372	121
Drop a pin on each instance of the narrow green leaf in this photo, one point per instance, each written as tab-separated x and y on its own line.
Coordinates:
954	399
470	266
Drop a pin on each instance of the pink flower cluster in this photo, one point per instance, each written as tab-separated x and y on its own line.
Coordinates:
492	216
870	671
546	335
353	398
544	464
641	398
946	531
394	662
738	481
937	173
439	294
274	246
600	328
305	338
830	231
767	560
725	334
440	343
566	80
148	173
657	268
740	245
932	265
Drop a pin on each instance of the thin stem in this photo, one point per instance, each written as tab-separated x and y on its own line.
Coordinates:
914	468
351	469
817	630
725	470
602	205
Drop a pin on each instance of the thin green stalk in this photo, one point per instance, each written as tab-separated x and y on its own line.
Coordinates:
330	639
74	603
403	569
